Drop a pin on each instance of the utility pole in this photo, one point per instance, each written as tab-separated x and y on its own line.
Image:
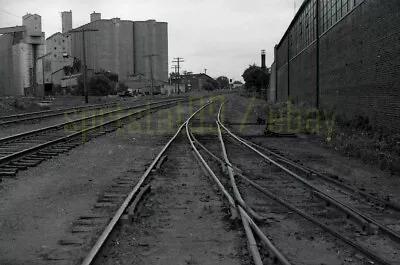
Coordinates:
175	68
85	85
150	56
178	61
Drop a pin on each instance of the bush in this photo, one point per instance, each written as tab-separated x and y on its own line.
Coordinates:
100	84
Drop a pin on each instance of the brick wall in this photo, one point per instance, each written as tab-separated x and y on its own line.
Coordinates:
282	68
359	65
303	86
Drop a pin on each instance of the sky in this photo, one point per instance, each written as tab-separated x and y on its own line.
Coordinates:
222	36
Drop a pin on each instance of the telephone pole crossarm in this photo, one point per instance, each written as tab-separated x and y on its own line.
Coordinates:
178	61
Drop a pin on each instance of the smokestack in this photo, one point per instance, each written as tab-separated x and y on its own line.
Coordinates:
263	60
95	16
66	18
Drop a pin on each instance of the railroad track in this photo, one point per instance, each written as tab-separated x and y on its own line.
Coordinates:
138	191
360	220
19	152
255	215
32	116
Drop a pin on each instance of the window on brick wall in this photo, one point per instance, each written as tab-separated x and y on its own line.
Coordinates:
333	10
344	7
303	32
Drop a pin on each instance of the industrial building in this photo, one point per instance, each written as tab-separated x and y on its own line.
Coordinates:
342	55
131	49
20	47
127	48
195	82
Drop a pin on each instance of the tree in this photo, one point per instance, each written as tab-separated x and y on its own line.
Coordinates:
253	77
223	82
76	66
122	88
210	85
74	69
102	83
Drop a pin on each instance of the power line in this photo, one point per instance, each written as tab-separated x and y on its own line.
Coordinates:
9	13
178	61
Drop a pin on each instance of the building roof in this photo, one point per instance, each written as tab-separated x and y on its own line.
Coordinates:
112	19
294	20
71	76
198	75
57	33
28	15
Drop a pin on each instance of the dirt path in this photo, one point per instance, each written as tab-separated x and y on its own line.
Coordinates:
182	221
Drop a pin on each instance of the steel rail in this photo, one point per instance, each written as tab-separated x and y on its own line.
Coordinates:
269	194
57	126
348	241
393	234
236	192
52	111
46	116
110	227
308	170
242	212
17	155
347	209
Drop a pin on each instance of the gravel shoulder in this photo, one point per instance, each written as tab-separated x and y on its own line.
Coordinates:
39	208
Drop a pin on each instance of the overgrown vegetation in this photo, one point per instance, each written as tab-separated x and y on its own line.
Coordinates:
102	83
210	85
375	145
356	138
223	82
255	78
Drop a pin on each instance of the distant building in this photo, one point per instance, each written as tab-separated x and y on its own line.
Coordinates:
69	83
58	49
127	48
195	82
66	20
19	49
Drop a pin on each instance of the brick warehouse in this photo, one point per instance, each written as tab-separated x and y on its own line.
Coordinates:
352	67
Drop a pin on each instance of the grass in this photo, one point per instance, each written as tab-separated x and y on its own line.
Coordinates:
356	138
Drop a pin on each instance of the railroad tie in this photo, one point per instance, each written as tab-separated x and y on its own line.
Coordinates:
48	153
81	229
114	196
9	167
101	205
22	165
71	242
19	166
44	157
34	158
8	173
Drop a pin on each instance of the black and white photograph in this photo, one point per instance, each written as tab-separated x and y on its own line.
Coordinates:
225	132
